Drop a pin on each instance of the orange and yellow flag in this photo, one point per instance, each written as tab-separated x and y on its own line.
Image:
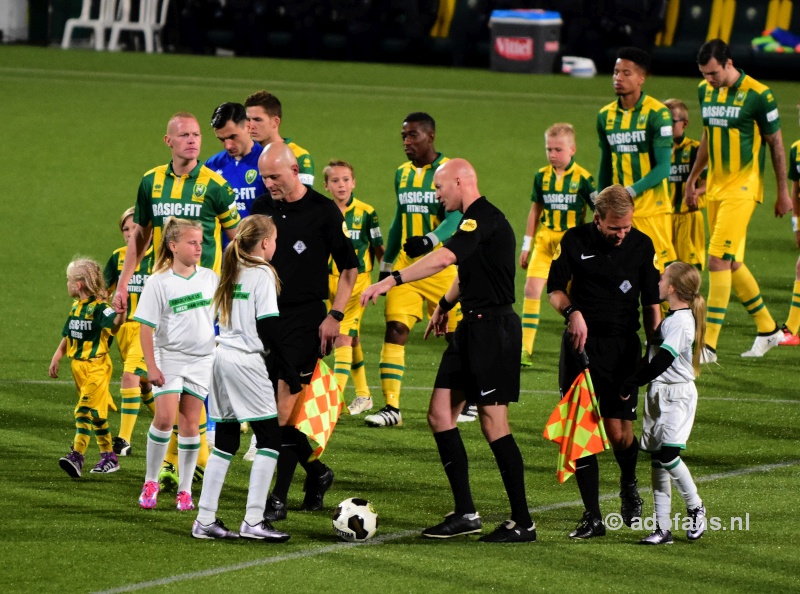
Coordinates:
322	405
576	425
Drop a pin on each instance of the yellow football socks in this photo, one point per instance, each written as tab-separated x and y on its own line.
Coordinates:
359	372
342	361
719	294
392	367
746	288
530	322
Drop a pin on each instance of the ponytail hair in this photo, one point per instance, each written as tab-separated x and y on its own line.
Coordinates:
88	272
685	280
250	232
171	232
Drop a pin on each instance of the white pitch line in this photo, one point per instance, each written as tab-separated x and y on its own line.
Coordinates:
424	389
183	577
389	91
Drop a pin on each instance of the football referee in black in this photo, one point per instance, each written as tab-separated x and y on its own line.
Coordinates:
310	230
481	363
612	268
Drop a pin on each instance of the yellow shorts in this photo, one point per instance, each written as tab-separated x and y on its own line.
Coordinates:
92	379
130	349
659	229
689	238
353	311
404	303
544	247
727	223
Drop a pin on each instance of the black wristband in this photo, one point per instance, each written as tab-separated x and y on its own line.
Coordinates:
568	311
445	304
397	278
336	315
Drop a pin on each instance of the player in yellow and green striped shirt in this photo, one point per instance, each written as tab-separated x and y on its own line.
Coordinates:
420	225
186	189
365	235
561	192
135	388
740	116
688	225
86	337
635	134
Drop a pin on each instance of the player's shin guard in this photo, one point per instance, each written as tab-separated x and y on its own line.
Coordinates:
342	362
157	444
101	433
530	322
684	482
83	429
662	494
746	288
392	366
131	399
627	460
359	373
456	467
719	294
188	450
512	471
216	470
793	321
202	452
149	401
587	475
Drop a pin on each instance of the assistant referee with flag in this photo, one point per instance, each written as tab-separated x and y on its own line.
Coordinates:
600	273
481	363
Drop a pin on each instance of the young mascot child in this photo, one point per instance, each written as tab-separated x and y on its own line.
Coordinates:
86	335
674	362
561	192
177	336
247	303
135	387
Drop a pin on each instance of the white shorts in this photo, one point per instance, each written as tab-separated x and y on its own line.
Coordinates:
183	373
240	387
668	416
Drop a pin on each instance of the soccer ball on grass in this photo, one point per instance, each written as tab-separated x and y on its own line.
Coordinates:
355	520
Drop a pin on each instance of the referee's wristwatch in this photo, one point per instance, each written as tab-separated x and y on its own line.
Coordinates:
336	315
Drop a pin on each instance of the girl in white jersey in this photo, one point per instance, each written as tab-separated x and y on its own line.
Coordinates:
247	302
673	363
177	333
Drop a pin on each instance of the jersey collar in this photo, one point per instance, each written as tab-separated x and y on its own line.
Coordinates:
567	170
636	107
739	80
194	173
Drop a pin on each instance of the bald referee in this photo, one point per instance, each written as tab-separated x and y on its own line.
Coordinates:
481	363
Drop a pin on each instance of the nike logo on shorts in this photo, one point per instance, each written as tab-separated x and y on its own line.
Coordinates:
306	374
487	392
587	257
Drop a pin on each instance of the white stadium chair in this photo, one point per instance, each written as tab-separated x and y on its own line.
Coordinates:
152	16
106	13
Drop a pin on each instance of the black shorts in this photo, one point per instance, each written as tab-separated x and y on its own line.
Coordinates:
482	359
612	360
299	338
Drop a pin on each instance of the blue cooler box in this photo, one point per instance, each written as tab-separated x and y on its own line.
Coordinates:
525	40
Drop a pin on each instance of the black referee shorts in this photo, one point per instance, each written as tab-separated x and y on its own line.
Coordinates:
612	359
482	359
299	337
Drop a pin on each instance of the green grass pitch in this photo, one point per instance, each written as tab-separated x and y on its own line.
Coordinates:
80	128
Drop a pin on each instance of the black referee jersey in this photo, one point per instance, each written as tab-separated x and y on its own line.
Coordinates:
608	282
485	250
310	230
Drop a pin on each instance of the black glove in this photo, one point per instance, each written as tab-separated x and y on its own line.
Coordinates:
417	245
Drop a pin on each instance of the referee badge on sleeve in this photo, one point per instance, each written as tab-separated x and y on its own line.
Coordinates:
557	252
344	229
468	225
655	261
